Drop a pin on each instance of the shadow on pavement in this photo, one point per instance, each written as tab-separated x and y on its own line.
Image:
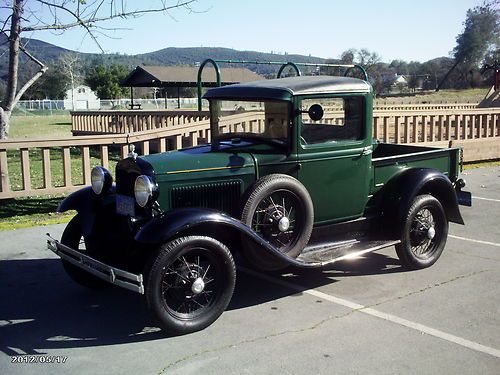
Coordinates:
41	308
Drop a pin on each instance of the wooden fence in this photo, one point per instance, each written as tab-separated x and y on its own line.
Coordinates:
77	154
126	122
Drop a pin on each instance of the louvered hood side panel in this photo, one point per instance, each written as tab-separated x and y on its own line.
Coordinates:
222	196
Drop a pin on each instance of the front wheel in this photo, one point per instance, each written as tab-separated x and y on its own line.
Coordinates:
73	238
190	283
423	234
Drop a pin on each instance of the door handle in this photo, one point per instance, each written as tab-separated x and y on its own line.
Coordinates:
366	150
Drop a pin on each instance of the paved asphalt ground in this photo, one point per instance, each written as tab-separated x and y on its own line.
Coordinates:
364	316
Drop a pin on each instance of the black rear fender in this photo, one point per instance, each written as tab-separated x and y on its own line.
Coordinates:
402	189
201	221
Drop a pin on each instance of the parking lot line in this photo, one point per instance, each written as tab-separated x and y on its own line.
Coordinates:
487	199
379	314
476	241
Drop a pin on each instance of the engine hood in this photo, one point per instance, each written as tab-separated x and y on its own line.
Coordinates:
200	162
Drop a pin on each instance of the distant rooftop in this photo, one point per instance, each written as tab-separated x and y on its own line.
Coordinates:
185	76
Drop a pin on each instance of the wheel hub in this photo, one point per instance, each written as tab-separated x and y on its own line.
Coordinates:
431	232
283	224
198	286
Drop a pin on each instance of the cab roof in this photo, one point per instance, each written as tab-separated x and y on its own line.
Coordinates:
286	88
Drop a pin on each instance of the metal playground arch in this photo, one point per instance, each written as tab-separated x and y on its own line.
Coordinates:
283	65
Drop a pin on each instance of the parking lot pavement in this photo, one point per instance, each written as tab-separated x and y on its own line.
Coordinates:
361	316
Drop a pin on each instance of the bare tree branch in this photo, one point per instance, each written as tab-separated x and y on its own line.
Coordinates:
91	20
60	15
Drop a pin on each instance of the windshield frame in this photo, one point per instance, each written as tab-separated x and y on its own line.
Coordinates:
237	137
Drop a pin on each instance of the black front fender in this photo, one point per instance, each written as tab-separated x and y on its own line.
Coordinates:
173	224
88	205
402	189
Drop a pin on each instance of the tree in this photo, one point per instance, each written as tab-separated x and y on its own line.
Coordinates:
60	15
52	85
481	34
70	65
105	81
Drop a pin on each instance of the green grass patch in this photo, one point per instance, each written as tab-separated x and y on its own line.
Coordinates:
442	96
489	163
37	126
34	220
33	211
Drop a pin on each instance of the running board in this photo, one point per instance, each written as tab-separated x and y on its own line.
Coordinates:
321	255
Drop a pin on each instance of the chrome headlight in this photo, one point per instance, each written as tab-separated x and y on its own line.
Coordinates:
101	180
144	189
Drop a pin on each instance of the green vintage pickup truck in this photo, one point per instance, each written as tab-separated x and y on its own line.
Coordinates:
292	177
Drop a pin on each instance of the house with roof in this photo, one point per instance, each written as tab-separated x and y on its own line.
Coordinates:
81	98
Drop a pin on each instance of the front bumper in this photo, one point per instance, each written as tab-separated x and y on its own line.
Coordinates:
103	271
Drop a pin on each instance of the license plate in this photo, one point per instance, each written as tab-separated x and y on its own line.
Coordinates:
125	205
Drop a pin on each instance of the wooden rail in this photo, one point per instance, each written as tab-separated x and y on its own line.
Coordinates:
125	122
425	107
77	155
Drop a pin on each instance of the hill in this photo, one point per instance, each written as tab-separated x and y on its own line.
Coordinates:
49	54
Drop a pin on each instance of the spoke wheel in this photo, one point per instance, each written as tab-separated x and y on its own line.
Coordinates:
279	219
280	210
190	283
424	233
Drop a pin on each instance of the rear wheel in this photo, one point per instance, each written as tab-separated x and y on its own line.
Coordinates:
190	283
424	233
73	238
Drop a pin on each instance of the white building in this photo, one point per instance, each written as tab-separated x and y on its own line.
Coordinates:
81	98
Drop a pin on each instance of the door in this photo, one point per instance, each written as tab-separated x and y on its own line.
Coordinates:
335	155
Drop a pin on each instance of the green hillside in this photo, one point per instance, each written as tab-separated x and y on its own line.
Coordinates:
49	53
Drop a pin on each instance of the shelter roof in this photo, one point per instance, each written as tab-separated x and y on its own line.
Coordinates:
185	76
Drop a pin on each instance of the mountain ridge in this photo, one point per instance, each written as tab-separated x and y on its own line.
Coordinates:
49	53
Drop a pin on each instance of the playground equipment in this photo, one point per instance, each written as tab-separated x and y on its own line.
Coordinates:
283	65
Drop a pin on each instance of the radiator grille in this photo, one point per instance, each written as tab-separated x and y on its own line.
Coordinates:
223	196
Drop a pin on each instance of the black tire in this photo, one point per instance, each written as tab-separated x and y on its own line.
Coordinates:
273	198
72	237
179	305
424	233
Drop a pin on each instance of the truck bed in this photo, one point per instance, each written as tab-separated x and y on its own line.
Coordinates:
389	159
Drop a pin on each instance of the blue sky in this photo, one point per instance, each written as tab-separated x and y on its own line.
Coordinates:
409	30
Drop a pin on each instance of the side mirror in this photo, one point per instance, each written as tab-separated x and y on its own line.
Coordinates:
315	112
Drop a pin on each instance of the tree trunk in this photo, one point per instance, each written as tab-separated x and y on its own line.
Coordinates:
458	60
10	94
4	123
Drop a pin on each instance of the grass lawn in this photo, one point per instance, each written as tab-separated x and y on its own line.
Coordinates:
442	96
40	210
32	211
39	126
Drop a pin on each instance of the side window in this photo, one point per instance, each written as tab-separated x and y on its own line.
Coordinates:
342	120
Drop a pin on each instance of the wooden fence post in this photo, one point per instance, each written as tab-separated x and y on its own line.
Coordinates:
67	167
104	156
47	173
25	168
86	164
4	172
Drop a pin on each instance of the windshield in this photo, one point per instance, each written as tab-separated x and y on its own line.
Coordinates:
247	120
